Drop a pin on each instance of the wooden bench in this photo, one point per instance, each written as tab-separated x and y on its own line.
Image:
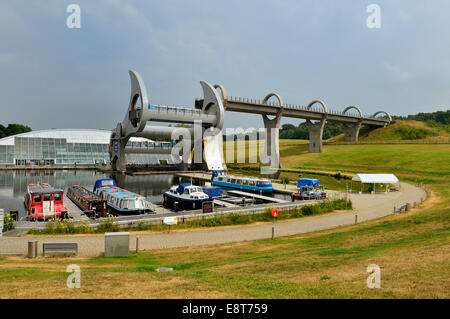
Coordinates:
60	247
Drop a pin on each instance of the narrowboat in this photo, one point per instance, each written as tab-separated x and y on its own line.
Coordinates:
120	201
252	184
42	202
185	197
91	204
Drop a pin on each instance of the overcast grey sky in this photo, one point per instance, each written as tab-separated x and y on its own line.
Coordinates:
55	77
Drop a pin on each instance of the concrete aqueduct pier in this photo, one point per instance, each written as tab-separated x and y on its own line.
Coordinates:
209	113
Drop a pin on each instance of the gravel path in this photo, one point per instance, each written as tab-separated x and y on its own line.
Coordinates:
367	206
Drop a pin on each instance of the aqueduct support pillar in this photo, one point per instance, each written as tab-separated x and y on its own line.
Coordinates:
271	145
351	132
316	129
117	150
270	159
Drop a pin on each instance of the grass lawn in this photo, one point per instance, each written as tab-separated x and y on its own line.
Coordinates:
411	249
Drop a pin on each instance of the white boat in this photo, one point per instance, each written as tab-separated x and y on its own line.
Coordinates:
185	196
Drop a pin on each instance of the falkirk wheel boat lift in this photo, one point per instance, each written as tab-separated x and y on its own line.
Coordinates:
205	136
207	118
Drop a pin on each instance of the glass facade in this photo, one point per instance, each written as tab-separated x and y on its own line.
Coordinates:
36	150
29	150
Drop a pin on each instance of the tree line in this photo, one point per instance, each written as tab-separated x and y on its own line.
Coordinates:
290	131
442	117
13	129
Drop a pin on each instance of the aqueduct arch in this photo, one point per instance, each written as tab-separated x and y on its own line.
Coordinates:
385	113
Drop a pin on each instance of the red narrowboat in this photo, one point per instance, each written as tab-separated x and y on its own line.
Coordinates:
91	204
42	201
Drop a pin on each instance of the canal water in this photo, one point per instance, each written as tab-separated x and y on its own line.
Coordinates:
13	184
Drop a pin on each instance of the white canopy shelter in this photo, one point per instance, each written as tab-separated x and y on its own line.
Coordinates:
375	178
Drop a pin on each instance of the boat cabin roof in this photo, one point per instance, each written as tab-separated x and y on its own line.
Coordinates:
254	179
120	192
43	188
182	186
104	182
307	182
84	192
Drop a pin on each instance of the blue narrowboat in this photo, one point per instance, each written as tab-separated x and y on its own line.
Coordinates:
251	184
120	201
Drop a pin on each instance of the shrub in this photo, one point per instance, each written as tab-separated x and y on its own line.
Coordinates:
411	133
107	224
141	226
310	209
338	176
84	228
8	222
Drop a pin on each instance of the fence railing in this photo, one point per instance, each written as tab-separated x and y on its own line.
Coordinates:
179	111
191	216
424	141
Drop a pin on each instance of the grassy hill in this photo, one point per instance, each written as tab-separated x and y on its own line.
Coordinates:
402	130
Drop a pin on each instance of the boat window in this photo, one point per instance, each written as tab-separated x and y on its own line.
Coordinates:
135	203
233	181
186	191
58	196
239	181
198	189
47	197
108	183
37	198
252	183
245	182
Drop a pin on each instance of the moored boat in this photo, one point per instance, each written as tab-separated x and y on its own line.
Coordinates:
91	204
42	201
185	197
120	201
308	189
252	184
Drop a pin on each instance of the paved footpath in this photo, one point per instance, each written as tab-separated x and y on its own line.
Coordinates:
366	205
